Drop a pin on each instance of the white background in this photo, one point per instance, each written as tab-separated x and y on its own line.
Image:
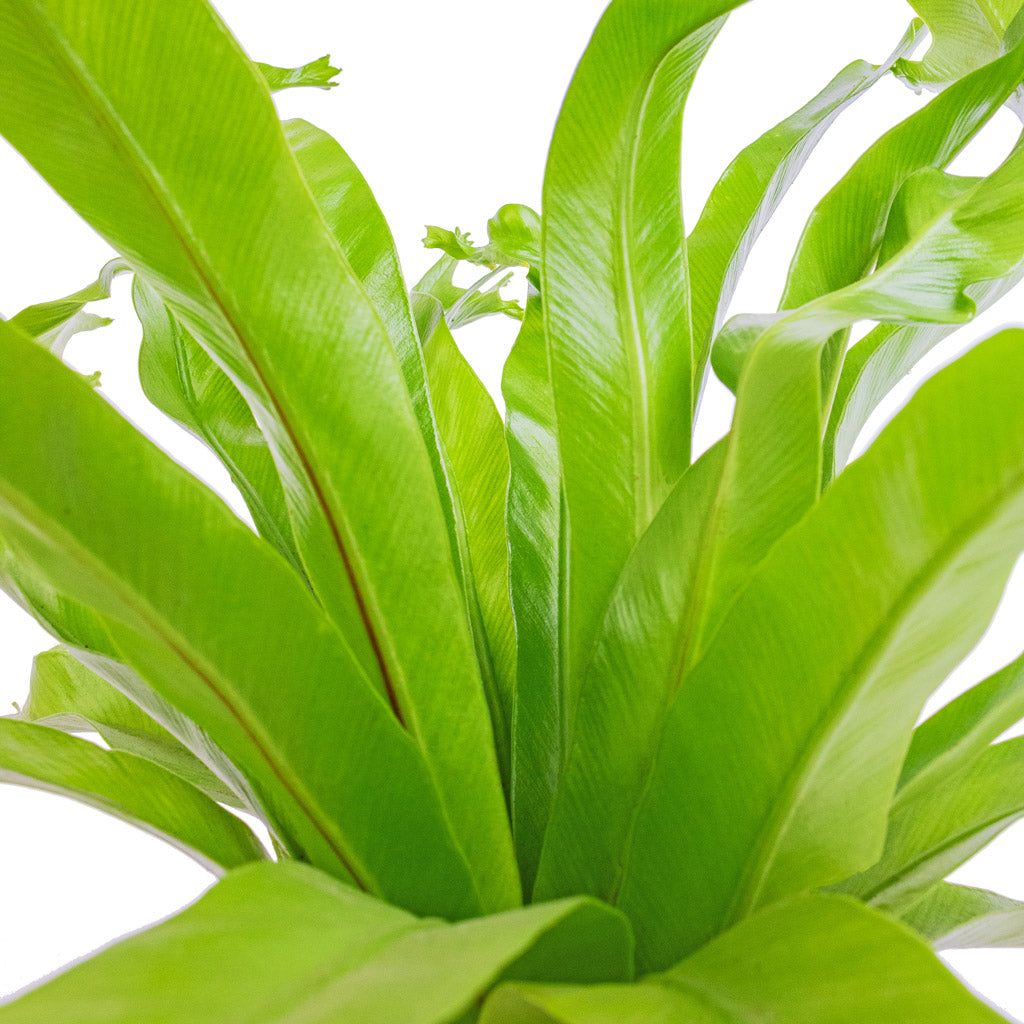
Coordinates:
447	106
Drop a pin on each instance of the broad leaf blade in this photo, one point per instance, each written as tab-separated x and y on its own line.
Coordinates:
538	542
128	787
284	942
814	960
185	169
933	829
616	295
806	697
187	595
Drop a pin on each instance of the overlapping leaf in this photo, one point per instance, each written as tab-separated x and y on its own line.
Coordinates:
65	695
538	540
753	185
616	294
129	787
814	960
218	624
285	942
184	168
806	697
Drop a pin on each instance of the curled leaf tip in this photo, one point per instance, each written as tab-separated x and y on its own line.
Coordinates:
317	74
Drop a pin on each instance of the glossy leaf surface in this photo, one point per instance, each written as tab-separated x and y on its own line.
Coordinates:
188	595
181	380
614	272
538	542
932	831
285	942
808	681
753	185
815	960
185	169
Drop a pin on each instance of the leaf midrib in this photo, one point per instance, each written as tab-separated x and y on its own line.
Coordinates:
177	645
124	141
766	843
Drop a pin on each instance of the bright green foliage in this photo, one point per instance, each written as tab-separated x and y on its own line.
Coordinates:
530	709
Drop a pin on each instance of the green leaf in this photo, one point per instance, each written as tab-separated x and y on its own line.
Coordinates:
614	272
873	366
934	829
129	787
358	225
53	324
673	594
188	596
813	960
538	557
91	644
639	659
284	942
806	697
186	171
961	730
965	35
959	917
754	184
318	74
65	695
456	244
477	460
773	468
844	232
181	380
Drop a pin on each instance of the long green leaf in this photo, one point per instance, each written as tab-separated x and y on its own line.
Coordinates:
845	230
961	730
91	644
753	488
181	380
814	960
753	185
960	917
65	695
185	169
773	466
615	286
806	697
538	542
284	942
128	787
188	596
933	830
477	460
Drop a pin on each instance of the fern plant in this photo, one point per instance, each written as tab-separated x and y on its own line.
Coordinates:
548	720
